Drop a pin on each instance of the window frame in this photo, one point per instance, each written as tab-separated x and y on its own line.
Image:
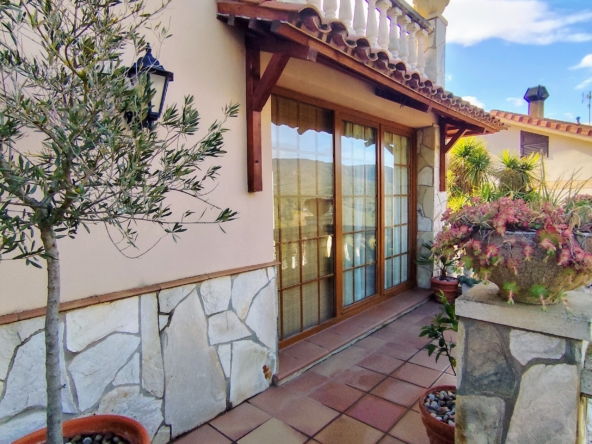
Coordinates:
381	125
522	144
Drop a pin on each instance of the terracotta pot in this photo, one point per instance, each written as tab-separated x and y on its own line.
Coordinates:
438	432
448	287
539	270
126	428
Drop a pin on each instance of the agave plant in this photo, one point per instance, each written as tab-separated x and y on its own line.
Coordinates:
470	165
517	174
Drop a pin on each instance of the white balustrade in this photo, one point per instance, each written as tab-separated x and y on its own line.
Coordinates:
346	14
383	28
372	24
330	8
422	42
394	14
359	18
404	21
315	3
412	57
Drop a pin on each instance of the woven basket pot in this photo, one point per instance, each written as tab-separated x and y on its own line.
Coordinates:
438	432
536	271
122	426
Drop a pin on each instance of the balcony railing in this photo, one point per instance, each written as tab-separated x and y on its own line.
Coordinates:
390	26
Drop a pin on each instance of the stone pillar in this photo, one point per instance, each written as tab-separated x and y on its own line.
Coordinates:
519	369
435	53
431	203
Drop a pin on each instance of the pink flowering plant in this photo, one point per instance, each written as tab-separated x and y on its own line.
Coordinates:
528	249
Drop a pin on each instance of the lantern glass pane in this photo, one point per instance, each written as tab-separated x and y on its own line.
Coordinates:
157	84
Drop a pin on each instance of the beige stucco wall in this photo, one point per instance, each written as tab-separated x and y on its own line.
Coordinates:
207	58
566	154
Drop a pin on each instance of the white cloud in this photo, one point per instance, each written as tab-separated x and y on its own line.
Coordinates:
517	102
569	116
516	21
474	101
585	63
585	83
448	77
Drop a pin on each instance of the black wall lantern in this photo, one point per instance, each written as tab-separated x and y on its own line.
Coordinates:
159	79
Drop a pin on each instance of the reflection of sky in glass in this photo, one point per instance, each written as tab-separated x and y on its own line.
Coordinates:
307	145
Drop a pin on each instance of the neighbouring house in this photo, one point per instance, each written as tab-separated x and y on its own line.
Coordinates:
335	169
565	147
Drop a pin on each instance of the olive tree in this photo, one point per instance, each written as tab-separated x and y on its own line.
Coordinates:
63	76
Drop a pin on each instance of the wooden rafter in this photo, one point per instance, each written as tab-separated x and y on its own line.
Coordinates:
460	129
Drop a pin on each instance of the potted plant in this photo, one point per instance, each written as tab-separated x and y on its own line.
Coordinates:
442	258
528	249
437	405
100	155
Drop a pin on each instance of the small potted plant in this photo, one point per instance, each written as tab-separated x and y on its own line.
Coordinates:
443	259
437	405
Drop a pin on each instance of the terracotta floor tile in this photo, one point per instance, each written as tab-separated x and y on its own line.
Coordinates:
446	379
371	343
415	407
274	399
306	382
376	412
240	420
336	395
390	440
353	354
416	374
205	433
328	340
406	338
380	363
305	351
422	358
348	329
360	378
398	351
288	365
273	432
306	415
450	371
346	430
387	335
399	392
331	367
410	429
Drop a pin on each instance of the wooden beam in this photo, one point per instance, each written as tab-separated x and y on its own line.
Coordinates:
270	78
254	167
401	99
294	50
446	146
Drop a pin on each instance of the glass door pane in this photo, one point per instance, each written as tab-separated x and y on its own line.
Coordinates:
302	156
359	197
396	155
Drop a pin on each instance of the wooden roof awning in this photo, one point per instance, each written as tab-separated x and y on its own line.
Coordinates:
290	30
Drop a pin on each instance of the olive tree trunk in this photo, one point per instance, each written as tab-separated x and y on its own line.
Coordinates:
52	340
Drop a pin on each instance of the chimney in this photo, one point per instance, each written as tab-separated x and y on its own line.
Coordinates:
536	97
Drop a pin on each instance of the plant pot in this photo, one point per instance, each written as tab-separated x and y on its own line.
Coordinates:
126	428
438	432
540	269
428	8
448	287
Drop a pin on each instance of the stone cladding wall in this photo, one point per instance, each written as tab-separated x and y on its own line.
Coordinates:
172	360
516	386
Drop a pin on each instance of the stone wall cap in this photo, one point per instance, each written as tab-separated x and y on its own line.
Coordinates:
483	303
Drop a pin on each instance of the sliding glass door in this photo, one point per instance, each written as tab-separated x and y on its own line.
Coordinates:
359	189
342	190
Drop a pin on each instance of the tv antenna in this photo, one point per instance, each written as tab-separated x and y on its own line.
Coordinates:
587	99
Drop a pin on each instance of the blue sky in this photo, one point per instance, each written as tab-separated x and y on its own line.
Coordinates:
498	48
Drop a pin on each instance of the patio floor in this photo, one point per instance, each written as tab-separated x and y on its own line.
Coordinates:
365	394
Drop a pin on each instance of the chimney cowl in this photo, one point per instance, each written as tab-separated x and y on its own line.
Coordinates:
536	93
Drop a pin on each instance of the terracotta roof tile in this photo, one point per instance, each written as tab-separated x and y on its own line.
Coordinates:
557	125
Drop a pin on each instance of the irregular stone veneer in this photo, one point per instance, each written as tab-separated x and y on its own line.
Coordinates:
431	202
172	360
516	386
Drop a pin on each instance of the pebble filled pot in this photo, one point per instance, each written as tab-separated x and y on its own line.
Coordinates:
438	410
119	430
